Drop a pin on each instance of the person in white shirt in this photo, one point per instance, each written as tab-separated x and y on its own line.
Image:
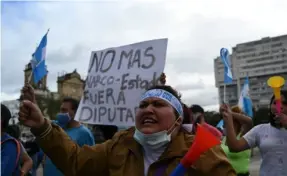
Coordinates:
271	138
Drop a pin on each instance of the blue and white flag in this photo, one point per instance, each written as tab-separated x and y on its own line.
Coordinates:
245	102
220	124
224	54
38	60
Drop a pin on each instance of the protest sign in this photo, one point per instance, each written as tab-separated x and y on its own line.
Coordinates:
117	77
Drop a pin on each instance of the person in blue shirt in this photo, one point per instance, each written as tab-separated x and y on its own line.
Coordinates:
77	132
26	162
10	147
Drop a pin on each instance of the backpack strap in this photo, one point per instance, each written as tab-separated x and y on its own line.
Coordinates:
18	150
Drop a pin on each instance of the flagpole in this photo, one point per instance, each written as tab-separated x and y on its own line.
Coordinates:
30	77
224	93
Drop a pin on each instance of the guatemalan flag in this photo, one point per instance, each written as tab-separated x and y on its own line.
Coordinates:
38	60
224	54
245	102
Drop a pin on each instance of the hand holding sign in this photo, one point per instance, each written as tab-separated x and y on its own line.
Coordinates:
276	82
116	79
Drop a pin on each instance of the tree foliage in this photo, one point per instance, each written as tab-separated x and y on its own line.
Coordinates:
260	116
212	117
49	105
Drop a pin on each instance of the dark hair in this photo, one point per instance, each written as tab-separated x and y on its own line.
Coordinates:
31	147
186	114
196	108
108	131
74	103
5	117
14	131
271	115
170	90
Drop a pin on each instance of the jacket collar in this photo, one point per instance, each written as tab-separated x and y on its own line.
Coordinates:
178	146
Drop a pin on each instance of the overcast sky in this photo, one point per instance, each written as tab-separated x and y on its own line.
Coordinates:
196	30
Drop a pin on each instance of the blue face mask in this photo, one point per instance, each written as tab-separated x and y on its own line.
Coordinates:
62	119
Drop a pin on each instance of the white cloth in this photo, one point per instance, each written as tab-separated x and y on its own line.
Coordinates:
187	127
272	143
150	156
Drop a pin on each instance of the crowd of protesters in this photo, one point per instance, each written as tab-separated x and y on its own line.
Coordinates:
164	131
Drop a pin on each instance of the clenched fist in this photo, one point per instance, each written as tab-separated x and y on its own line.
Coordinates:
30	115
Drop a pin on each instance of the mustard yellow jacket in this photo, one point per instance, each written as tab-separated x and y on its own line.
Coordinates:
122	155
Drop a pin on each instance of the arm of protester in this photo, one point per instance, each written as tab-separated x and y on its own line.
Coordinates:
214	162
8	158
67	156
233	143
27	162
245	121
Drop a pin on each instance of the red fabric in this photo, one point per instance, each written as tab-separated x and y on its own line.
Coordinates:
213	130
204	140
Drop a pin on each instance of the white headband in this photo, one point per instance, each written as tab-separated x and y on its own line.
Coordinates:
164	95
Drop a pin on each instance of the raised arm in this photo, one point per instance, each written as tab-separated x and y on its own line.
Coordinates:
67	156
245	121
233	143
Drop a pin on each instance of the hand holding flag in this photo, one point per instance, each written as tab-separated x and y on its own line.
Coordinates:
224	54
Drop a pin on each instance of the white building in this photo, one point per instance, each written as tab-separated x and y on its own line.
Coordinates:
259	60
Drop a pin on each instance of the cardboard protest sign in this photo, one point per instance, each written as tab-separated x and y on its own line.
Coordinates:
117	77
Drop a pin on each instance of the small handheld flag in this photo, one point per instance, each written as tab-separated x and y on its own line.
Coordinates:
38	61
220	124
245	102
203	141
224	54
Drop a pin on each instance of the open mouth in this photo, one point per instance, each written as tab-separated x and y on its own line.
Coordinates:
149	120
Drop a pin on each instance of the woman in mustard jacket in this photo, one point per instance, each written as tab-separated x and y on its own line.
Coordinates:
154	146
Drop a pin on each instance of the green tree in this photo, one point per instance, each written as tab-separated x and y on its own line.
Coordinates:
49	105
212	117
53	107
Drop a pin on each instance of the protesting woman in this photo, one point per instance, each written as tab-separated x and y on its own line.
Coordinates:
153	147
